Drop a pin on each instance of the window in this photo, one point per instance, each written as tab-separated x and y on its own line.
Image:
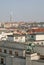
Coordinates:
16	53
10	51
38	43
42	43
2	61
0	50
5	51
16	37
32	36
24	53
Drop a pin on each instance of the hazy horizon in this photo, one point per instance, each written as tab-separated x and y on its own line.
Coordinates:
22	10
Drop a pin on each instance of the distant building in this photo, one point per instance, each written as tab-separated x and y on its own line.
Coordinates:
17	37
36	35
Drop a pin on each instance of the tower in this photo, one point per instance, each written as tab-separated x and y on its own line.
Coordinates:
11	16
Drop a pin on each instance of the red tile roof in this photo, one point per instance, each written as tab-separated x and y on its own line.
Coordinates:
37	30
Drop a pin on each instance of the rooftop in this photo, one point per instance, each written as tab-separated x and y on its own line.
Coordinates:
34	31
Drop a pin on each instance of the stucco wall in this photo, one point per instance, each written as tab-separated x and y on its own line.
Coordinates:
39	37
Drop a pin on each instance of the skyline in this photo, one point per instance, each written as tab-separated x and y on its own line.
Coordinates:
22	10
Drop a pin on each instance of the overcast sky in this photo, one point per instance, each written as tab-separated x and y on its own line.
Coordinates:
22	10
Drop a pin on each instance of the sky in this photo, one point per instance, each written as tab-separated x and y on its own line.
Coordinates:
22	10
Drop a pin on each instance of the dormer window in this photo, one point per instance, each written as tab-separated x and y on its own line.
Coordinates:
32	36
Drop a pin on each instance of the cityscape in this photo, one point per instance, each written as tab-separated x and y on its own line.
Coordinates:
21	43
21	32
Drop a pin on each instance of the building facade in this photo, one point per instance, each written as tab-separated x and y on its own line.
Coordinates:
12	53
